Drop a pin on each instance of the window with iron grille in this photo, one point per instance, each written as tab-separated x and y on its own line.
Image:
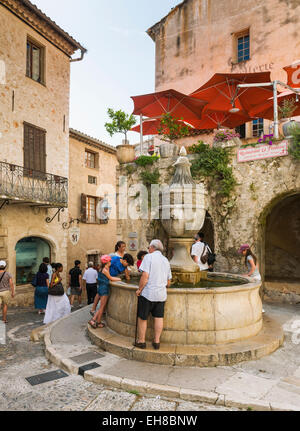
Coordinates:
258	127
243	47
92	180
35	61
34	148
90	160
93	258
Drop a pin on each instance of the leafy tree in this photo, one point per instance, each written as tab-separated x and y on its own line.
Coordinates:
171	128
121	122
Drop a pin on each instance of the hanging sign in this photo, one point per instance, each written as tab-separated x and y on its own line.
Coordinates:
293	74
262	152
74	235
133	245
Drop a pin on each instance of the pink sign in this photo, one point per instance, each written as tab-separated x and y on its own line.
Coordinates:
262	152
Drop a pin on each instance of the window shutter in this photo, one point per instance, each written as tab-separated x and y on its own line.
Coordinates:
83	208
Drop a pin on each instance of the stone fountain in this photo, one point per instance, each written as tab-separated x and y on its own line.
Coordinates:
216	323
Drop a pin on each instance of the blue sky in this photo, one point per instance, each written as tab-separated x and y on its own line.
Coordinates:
120	61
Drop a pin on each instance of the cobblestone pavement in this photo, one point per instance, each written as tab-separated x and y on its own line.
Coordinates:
21	358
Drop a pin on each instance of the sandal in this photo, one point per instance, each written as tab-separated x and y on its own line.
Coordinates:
93	324
5	321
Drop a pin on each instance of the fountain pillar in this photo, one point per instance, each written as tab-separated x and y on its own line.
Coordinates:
183	209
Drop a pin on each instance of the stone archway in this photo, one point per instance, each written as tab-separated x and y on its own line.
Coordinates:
282	241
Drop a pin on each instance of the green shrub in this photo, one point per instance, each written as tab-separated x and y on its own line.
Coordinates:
213	163
149	178
295	141
146	160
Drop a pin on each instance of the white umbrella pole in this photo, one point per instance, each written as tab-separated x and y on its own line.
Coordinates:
275	103
141	134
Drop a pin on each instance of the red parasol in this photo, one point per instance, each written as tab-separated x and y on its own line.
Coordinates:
223	94
181	106
216	119
266	109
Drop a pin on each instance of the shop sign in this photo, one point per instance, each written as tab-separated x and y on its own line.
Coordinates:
262	152
74	235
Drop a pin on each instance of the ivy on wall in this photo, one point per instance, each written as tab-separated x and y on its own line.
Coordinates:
214	163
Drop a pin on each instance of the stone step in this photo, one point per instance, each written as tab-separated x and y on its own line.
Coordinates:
269	339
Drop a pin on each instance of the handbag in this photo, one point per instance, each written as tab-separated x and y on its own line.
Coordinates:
57	290
204	257
34	281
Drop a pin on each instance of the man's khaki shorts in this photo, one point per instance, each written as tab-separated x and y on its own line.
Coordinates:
4	296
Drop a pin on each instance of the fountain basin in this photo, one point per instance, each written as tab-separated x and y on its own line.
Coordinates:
194	316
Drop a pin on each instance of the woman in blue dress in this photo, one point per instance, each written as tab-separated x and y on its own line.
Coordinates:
104	278
41	290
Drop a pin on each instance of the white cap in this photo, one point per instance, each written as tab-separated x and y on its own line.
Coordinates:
2	264
157	244
91	264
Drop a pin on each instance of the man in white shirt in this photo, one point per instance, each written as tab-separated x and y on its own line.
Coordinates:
152	293
90	278
199	249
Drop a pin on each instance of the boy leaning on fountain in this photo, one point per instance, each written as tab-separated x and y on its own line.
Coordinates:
152	293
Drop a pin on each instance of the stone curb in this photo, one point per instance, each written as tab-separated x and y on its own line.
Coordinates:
152	388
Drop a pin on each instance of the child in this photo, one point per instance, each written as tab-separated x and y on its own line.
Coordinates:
117	266
103	290
140	257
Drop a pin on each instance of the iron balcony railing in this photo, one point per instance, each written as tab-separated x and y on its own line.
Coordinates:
26	185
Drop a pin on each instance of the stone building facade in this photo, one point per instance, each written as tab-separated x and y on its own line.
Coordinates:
92	176
195	40
201	37
35	57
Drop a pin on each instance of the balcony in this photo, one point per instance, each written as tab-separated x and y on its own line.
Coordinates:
26	186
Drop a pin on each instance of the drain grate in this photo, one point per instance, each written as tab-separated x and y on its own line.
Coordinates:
46	377
88	367
85	357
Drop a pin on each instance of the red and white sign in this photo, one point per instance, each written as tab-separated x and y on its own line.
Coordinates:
293	73
262	152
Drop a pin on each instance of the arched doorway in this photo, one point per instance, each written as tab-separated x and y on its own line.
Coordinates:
30	252
208	230
282	241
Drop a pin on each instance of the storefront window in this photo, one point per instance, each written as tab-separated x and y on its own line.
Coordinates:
29	255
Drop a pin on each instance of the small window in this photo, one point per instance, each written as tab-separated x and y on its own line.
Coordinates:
92	180
243	48
35	61
90	209
257	127
90	160
34	148
93	258
241	130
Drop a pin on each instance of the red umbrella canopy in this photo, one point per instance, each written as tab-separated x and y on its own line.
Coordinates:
172	102
215	119
266	109
222	92
150	127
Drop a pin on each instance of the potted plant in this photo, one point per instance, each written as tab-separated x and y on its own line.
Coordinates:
226	138
285	112
121	123
170	129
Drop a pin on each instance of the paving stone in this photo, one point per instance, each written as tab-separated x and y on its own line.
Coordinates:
186	406
245	386
279	396
153	404
112	401
2	333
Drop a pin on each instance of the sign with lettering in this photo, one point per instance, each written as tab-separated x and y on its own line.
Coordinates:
133	245
74	235
293	73
262	152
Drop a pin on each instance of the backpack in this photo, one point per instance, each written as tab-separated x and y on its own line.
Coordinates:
208	257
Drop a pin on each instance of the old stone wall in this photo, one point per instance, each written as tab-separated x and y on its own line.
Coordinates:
45	106
261	186
94	238
196	40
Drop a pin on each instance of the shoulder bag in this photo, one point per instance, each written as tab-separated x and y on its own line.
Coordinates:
57	290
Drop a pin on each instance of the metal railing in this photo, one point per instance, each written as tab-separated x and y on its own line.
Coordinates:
21	184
